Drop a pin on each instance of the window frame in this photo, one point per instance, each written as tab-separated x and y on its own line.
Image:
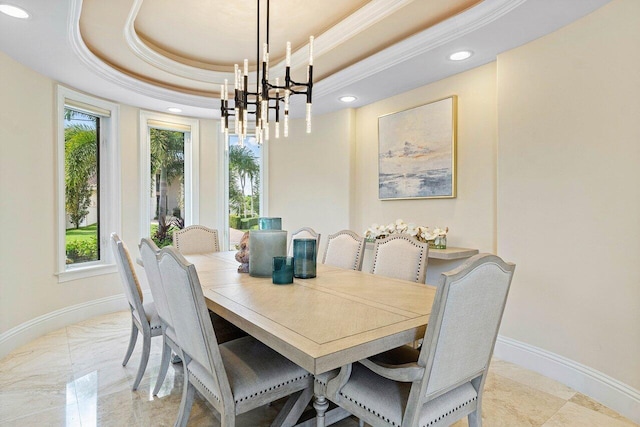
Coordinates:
191	164
223	180
109	184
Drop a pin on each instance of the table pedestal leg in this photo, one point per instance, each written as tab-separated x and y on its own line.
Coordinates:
320	405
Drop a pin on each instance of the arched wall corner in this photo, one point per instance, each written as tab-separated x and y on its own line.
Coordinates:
603	388
41	325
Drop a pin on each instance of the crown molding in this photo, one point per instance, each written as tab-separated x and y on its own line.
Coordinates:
355	23
162	62
468	21
107	72
433	37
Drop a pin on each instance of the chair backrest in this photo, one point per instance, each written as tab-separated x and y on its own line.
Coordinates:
129	278
463	325
149	254
401	256
304	233
196	239
191	321
344	250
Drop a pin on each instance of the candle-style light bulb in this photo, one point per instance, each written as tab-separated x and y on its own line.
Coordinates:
245	120
265	60
311	50
246	67
222	126
266	131
308	118
286	124
264	110
287	93
277	130
235	75
288	57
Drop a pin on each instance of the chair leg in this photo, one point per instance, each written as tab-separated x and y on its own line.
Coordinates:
144	358
475	418
132	342
186	403
360	423
164	367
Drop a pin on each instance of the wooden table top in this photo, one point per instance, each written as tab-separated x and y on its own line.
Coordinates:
337	318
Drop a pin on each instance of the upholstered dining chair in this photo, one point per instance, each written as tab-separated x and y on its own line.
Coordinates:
144	316
304	233
344	249
196	239
233	377
149	253
401	256
446	381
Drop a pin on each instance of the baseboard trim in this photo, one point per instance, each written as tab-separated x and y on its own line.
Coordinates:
41	325
610	392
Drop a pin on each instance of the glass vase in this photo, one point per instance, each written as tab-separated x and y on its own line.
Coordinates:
304	258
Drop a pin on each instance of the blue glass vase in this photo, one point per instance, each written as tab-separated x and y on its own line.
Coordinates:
304	256
282	270
265	223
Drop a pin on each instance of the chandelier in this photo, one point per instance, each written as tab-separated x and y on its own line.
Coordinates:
268	97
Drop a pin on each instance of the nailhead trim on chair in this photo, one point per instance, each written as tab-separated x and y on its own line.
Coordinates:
441	417
273	388
205	387
451	411
377	414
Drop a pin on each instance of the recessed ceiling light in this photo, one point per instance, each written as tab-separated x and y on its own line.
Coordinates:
174	110
13	11
348	98
460	56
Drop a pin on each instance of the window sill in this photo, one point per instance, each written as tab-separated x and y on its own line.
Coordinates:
84	272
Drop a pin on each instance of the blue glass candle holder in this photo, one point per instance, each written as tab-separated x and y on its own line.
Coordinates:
266	223
304	255
282	270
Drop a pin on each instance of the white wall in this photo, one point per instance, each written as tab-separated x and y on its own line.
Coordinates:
211	193
568	190
310	181
32	301
471	216
28	285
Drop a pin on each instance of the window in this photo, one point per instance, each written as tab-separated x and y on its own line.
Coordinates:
245	195
88	184
169	175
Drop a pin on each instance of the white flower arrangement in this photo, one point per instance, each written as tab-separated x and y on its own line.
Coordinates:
421	233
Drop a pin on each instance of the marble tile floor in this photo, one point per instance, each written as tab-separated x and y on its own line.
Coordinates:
74	377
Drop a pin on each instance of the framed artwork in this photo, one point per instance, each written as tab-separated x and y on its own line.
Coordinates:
417	152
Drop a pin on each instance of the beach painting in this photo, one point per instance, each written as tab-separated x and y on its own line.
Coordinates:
417	152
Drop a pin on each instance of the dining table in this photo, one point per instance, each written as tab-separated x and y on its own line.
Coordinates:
321	323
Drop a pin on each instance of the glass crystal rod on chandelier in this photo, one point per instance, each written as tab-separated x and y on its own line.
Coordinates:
267	96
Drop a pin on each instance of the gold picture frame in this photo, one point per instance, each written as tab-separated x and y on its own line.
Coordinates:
417	152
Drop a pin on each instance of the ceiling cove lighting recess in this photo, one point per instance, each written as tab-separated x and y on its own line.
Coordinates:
348	98
13	11
461	55
174	110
